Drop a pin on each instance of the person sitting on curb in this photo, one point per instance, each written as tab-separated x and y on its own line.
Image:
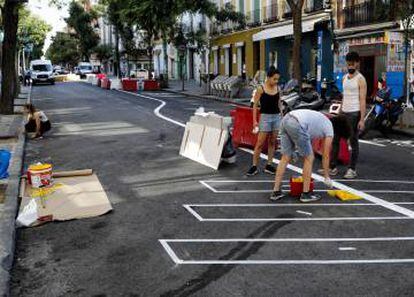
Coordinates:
268	96
298	129
36	121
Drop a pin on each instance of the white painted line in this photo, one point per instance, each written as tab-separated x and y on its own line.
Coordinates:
347	248
208	186
317	191
304	212
320	239
371	143
286	181
193	212
317	177
296	262
170	252
340	186
305	219
334	204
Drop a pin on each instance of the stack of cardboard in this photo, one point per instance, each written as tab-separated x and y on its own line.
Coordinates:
204	138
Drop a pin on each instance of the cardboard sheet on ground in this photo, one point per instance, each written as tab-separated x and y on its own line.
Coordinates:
203	143
73	198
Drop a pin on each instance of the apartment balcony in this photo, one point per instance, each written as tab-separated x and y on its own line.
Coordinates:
370	12
270	14
253	18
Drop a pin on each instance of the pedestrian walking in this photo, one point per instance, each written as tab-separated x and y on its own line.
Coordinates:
268	96
353	108
297	130
36	121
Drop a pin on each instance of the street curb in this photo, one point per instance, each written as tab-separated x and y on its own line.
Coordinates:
205	97
403	133
9	212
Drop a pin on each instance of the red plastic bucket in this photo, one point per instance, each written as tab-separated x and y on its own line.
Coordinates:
296	187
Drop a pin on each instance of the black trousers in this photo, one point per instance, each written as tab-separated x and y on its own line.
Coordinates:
44	126
353	118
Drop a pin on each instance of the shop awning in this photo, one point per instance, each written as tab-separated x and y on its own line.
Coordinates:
286	30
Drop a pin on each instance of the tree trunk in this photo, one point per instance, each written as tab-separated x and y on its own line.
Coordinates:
165	48
117	55
10	19
297	44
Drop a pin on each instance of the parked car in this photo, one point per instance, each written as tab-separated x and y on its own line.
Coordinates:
59	70
84	68
42	72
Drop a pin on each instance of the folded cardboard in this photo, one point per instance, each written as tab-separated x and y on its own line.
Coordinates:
75	198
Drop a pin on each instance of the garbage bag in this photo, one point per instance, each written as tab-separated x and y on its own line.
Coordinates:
229	153
4	163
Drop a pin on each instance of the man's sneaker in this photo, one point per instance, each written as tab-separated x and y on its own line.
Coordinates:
270	169
276	195
350	174
252	171
332	172
309	197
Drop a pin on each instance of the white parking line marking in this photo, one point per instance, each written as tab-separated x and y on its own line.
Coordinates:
304	212
347	248
286	181
340	186
208	186
335	204
177	260
193	212
368	197
371	143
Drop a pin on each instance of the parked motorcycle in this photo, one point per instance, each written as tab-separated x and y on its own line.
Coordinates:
385	112
330	91
309	99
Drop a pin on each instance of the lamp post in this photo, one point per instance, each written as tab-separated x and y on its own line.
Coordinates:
181	52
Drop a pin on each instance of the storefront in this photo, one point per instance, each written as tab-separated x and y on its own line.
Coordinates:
380	52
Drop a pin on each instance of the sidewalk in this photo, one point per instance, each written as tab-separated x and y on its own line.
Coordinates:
406	124
193	89
12	138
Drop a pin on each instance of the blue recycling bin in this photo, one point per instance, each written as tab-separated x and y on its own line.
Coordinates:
4	163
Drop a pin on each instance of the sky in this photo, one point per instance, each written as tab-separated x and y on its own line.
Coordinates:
51	14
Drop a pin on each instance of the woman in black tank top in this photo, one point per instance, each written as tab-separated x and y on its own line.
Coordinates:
267	128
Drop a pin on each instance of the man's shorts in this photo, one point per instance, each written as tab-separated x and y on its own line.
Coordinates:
269	122
293	135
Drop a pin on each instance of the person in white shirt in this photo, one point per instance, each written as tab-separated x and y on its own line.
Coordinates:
354	109
36	121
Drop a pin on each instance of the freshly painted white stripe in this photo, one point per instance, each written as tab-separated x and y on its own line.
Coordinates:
208	186
304	212
318	191
294	239
305	219
340	186
170	252
296	262
286	181
368	197
157	110
293	204
371	143
193	212
347	248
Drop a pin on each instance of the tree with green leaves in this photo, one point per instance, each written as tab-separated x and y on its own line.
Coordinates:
64	50
32	31
81	22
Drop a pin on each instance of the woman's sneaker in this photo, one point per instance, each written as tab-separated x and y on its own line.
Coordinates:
270	169
350	174
252	171
277	195
309	197
332	172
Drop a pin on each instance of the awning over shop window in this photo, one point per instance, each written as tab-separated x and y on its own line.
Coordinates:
286	30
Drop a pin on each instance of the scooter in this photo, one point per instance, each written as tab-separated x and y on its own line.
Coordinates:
330	91
385	112
309	99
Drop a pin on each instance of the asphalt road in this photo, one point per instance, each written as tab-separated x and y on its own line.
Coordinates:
219	237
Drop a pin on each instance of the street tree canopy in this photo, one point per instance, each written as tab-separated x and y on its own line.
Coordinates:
63	50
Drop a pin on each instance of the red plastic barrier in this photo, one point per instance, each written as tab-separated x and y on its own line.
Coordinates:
243	127
105	84
344	156
151	85
101	75
129	85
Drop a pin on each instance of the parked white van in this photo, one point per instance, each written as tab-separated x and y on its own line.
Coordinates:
42	72
84	68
